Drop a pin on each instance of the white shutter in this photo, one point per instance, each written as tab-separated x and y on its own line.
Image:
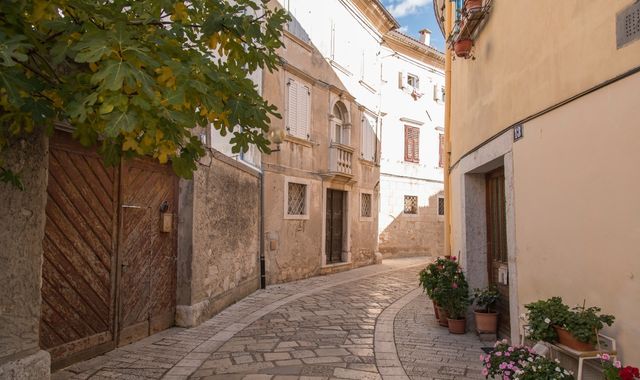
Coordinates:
292	107
304	114
402	79
369	140
436	90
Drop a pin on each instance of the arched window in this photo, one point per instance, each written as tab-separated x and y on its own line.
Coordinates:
341	123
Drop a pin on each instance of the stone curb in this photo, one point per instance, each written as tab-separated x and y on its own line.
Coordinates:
387	360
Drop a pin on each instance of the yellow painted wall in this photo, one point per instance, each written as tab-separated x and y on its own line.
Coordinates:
529	56
577	202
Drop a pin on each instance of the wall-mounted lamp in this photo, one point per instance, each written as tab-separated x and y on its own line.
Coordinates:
276	136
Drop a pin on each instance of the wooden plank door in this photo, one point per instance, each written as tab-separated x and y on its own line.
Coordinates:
497	257
147	256
334	226
78	287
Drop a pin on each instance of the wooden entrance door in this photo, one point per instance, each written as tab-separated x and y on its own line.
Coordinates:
497	258
88	238
80	245
334	225
148	261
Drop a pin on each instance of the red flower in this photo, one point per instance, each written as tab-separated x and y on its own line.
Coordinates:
453	258
629	373
455	286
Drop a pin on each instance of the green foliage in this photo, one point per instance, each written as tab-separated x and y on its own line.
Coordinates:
136	77
542	368
542	315
445	283
583	323
486	298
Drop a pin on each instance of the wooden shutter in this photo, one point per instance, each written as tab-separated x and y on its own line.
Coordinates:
411	144
304	114
441	151
292	107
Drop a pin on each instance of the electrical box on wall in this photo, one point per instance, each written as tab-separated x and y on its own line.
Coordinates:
166	222
503	275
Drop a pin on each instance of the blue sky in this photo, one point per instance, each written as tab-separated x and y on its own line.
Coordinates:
414	15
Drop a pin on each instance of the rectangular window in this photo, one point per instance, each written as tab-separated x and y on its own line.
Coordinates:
441	151
411	144
410	204
440	206
413	81
365	205
298	108
297	199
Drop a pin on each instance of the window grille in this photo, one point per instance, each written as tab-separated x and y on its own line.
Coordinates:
297	199
365	206
410	204
440	206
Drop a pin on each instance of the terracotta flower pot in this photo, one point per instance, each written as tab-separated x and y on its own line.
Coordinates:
486	323
472	5
442	317
567	339
457	326
462	48
435	309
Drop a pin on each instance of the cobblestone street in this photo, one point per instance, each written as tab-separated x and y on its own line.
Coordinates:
368	323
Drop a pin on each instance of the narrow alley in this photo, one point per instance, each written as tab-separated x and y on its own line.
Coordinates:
368	323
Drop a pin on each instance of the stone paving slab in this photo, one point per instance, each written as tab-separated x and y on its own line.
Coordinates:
339	326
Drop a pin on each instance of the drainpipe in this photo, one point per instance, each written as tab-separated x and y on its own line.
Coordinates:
447	129
263	275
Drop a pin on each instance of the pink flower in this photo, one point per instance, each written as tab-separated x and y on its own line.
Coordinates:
606	357
453	258
498	353
454	285
485	372
481	357
617	364
507	354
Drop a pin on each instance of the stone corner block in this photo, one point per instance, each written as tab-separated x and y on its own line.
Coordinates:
35	366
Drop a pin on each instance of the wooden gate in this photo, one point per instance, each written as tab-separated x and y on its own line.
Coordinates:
148	265
497	258
334	226
108	272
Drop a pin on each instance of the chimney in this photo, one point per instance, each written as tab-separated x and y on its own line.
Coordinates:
425	37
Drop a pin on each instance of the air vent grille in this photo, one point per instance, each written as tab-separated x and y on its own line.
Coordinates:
628	25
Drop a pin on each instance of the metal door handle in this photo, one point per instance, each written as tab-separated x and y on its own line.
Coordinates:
133	206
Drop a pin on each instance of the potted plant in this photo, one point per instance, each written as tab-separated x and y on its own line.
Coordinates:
553	321
454	298
486	317
462	48
613	370
504	360
539	367
430	276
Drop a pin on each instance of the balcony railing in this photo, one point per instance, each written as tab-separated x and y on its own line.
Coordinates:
341	159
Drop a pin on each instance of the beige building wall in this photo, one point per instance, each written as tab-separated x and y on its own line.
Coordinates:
530	57
294	247
571	182
578	235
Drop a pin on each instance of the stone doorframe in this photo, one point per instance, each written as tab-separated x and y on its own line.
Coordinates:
469	178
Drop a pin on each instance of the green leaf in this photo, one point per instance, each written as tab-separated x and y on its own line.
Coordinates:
120	122
112	75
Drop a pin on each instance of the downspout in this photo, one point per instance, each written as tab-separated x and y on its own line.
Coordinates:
263	275
447	129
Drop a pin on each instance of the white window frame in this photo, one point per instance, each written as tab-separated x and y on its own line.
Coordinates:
417	81
307	194
300	84
366	218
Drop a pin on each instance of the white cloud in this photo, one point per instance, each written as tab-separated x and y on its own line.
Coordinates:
407	7
403	29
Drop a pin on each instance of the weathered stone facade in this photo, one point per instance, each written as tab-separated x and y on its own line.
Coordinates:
218	247
415	235
22	217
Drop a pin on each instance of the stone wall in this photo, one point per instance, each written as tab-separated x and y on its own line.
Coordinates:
218	241
414	235
22	217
